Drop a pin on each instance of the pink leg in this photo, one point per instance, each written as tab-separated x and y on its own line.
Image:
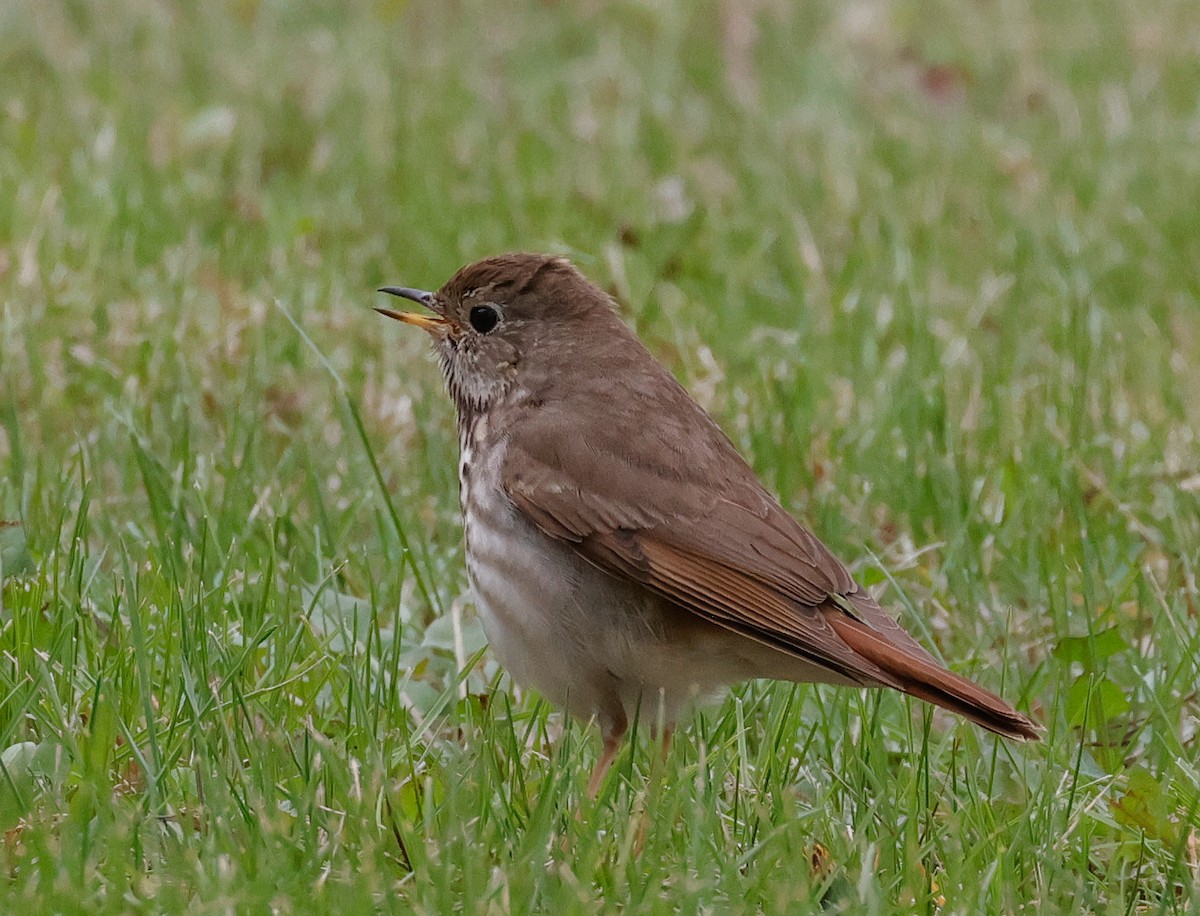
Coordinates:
644	819
613	733
668	731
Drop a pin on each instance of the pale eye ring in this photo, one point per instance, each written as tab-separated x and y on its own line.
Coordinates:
484	318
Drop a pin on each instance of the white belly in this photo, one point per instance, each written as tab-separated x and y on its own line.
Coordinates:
587	641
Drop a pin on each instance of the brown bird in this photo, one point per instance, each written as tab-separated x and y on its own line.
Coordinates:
623	555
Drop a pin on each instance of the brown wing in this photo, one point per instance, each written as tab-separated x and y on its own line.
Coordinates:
693	524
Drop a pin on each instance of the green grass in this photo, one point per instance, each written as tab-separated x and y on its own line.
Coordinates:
933	266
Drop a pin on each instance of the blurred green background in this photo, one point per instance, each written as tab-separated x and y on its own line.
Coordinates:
933	266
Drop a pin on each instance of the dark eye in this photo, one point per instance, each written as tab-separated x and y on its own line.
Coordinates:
484	318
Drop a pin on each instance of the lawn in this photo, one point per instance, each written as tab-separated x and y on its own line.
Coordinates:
935	267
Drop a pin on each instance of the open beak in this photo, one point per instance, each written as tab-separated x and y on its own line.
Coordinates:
431	323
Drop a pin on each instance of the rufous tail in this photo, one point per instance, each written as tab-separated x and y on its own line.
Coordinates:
925	679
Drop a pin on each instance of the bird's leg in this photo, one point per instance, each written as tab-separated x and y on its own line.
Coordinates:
614	731
665	732
612	744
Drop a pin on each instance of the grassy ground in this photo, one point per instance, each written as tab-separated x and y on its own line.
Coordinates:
934	268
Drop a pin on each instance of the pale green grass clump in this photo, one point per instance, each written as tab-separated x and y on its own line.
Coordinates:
934	269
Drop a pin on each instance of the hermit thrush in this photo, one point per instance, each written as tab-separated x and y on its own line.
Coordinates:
624	556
